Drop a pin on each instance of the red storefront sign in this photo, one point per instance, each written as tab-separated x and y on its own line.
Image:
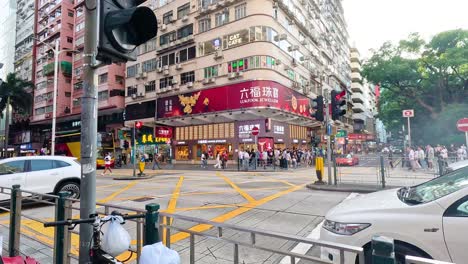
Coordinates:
265	144
163	132
360	137
234	97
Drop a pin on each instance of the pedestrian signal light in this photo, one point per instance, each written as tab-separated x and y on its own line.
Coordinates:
138	124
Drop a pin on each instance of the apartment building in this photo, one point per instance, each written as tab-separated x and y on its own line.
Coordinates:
219	68
63	21
20	132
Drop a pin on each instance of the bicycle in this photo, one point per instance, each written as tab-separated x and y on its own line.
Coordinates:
97	254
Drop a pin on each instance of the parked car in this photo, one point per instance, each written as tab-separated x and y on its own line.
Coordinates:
41	174
347	160
428	220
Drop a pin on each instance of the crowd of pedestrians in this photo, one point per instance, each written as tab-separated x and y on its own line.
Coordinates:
428	157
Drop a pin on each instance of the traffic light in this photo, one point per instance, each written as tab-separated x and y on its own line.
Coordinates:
318	107
138	124
123	26
337	101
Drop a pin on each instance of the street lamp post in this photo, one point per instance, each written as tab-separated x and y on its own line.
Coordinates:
56	52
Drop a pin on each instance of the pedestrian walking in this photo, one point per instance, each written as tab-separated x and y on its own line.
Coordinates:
412	158
107	164
203	160
264	159
430	156
246	160
422	158
390	158
156	161
224	160
218	161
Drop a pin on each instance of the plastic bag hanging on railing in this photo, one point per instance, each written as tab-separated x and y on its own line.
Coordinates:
157	253
115	239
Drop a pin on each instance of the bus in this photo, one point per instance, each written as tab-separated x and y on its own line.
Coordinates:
70	145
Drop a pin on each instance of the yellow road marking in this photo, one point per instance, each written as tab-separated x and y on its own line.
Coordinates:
235	187
206	207
115	194
222	218
173	203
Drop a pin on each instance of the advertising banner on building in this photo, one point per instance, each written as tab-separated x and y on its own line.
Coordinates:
163	132
234	97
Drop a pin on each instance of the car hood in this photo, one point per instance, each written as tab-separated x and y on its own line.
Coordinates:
360	206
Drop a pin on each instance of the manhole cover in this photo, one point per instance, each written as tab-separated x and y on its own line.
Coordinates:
143	199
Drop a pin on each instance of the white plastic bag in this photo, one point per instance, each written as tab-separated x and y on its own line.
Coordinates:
159	254
115	239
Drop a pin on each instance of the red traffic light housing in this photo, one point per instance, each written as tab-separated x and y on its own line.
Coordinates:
337	101
138	124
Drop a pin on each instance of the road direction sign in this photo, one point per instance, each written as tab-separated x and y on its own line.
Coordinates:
254	131
408	113
462	124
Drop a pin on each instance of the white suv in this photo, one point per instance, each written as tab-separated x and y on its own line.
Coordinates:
41	174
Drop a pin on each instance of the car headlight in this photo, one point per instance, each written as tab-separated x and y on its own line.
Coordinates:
344	228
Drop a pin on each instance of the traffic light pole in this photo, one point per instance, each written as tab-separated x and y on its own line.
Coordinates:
328	123
89	117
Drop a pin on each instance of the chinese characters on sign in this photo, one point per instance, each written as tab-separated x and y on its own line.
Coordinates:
259	94
147	139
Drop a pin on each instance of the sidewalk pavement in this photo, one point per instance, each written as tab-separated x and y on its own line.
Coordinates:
345	187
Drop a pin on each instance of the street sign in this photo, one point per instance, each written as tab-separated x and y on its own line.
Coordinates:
254	131
342	134
408	113
462	124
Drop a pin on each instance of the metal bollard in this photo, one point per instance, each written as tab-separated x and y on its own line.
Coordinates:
151	224
383	250
61	238
382	171
15	221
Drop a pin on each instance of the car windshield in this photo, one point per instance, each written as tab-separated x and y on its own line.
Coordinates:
436	188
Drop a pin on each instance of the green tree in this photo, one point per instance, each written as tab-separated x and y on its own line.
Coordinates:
13	92
431	78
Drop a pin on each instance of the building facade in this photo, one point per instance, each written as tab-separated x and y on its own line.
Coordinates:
219	68
20	132
63	21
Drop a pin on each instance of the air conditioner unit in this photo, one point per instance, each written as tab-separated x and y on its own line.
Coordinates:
134	96
48	115
294	62
189	84
78	77
304	42
240	74
175	82
163	90
144	75
185	18
305	58
138	76
172	19
178	67
163	27
295	85
166	72
141	95
293	48
283	36
232	75
208	80
160	69
218	55
220	3
277	62
166	67
168	88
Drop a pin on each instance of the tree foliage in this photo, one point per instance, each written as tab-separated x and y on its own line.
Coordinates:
20	99
430	77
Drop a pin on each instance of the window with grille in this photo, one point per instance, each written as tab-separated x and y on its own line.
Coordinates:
187	77
102	78
240	11
211	71
131	90
165	82
222	18
183	11
167	17
204	25
150	86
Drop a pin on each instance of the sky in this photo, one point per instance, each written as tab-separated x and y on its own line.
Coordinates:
372	22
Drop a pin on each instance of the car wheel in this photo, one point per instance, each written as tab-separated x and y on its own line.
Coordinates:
72	187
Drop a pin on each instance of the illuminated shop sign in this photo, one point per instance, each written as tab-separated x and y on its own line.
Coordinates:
211	141
278	130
